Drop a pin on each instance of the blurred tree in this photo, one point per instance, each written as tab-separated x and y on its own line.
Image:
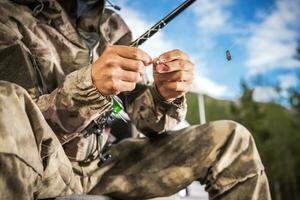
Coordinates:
276	132
298	52
274	127
294	99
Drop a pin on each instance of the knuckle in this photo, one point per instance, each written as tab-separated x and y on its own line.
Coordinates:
113	73
110	62
136	53
140	66
131	86
177	51
114	86
180	75
182	63
135	77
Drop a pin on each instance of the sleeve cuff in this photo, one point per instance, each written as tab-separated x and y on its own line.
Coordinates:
85	84
178	103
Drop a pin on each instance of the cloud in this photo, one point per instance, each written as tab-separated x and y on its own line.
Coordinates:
265	94
288	81
203	85
213	16
273	41
215	20
158	43
269	93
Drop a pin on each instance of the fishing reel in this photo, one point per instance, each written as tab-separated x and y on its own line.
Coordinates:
106	119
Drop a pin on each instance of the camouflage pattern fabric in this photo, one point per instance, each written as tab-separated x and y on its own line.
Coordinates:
42	152
62	59
33	164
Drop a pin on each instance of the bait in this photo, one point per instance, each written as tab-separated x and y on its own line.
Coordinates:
228	55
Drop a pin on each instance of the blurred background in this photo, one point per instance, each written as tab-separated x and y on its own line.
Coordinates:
259	87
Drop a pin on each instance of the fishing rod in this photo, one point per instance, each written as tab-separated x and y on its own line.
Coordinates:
97	125
101	122
117	103
162	23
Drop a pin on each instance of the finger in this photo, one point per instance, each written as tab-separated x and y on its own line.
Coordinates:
176	65
132	53
173	55
177	86
123	86
129	76
132	65
174	76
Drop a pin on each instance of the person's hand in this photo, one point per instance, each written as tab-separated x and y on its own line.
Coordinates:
173	74
118	69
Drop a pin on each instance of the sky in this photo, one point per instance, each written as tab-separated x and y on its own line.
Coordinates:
261	35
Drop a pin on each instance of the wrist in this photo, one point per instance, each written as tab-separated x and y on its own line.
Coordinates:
160	95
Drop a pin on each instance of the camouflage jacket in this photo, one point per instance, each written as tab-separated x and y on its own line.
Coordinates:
40	39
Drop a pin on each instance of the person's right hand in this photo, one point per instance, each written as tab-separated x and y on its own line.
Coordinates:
118	69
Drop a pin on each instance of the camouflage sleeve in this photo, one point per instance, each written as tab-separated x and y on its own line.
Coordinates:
145	106
150	113
70	107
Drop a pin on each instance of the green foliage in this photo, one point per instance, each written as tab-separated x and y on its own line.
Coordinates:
276	132
295	100
193	111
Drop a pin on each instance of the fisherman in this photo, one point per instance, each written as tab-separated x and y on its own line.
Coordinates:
76	55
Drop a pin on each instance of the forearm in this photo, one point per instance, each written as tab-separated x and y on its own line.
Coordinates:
70	107
152	115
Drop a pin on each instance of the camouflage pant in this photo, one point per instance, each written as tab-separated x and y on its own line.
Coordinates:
220	154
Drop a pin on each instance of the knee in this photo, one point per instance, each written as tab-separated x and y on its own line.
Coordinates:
237	140
222	133
226	134
229	128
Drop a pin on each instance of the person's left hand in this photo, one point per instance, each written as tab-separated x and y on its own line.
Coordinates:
173	74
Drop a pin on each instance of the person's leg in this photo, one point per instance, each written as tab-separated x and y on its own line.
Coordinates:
220	154
32	161
256	187
17	179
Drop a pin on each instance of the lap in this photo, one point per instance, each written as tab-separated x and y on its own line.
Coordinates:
171	148
160	166
140	168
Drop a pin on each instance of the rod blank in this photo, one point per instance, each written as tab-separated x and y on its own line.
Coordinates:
162	23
